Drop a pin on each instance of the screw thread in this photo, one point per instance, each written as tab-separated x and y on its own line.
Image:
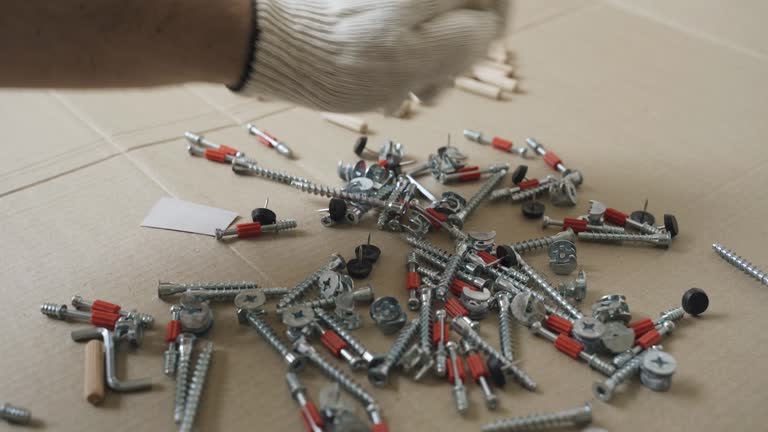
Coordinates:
299	290
14	414
529	193
270	174
54	310
329	192
532	245
627	371
425	322
143	318
551	291
446	277
319	303
505	334
196	386
337	375
505	273
481	194
182	377
606	229
500	194
741	263
401	344
336	326
608	237
398	191
429	273
674	314
165	289
537	422
601	365
170	359
427	247
268	334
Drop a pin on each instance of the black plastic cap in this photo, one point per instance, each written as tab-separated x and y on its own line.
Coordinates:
368	252
519	174
496	373
263	216
643	216
337	209
507	255
534	210
695	301
670	223
360	145
359	269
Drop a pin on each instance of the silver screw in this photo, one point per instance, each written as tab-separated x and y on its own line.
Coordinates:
459	390
61	312
505	325
741	264
360	295
186	342
229	295
333	373
267	333
167	289
15	415
643	227
577	417
378	374
386	215
466	331
439	264
458	219
329	192
196	386
608	229
592	360
412	266
440	355
171	355
500	194
145	319
269	139
244	166
282	225
339	329
659	240
542	283
604	390
336	263
425	321
543	242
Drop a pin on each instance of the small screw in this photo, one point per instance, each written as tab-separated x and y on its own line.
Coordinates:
741	264
659	240
459	218
14	414
577	417
196	386
459	390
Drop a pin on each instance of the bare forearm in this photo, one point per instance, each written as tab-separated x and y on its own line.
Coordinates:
122	43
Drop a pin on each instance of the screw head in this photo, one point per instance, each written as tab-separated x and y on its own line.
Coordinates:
250	300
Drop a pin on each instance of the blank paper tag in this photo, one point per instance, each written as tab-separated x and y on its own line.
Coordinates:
178	215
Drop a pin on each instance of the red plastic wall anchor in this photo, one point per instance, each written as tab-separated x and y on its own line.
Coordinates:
485	256
569	346
316	418
552	159
653	337
104	319
455	308
383	163
460	363
642	327
468	169
215	155
436	332
172	331
437	215
558	324
333	342
228	150
412	281
380	427
246	230
528	184
472	176
615	217
502	144
457	287
264	140
477	366
577	225
105	306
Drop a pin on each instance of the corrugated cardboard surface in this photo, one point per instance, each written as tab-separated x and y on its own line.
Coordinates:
649	102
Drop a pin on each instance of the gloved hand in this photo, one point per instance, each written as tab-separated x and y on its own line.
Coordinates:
354	55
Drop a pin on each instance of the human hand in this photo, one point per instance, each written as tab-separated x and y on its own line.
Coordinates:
354	55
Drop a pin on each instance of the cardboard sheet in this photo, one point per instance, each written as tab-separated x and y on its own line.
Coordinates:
643	108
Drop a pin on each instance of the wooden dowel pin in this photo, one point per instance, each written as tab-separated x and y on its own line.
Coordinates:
94	372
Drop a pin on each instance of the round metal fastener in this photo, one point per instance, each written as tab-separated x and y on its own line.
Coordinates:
298	316
250	300
618	337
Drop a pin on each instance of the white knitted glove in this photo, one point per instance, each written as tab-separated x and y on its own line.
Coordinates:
354	55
